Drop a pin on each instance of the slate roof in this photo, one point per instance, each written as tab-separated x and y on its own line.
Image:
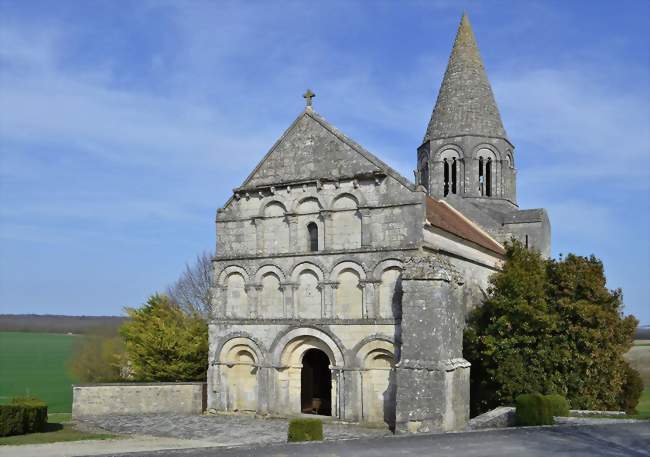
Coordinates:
442	215
465	104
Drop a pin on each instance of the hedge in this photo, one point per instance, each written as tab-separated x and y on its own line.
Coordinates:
534	409
23	415
305	430
559	405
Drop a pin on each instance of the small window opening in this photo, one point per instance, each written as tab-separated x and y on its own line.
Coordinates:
481	178
488	178
446	177
454	164
312	229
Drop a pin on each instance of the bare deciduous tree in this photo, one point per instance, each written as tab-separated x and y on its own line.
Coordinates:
192	290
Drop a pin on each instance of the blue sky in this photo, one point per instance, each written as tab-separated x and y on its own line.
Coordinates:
124	125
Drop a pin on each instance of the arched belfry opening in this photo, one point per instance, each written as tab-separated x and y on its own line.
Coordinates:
316	383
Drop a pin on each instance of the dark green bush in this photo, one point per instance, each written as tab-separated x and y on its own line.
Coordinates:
23	415
632	389
305	430
534	409
12	420
558	404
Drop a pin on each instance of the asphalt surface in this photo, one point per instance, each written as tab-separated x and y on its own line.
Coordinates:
618	440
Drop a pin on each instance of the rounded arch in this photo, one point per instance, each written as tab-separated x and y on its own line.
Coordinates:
354	195
299	268
269	268
289	347
447	151
372	347
384	265
347	265
307	205
231	347
272	208
510	160
230	269
486	151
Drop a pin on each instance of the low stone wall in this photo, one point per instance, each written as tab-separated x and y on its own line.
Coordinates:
503	416
138	398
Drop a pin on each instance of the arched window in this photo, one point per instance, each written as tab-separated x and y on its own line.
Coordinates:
312	230
446	176
451	171
454	174
488	178
481	177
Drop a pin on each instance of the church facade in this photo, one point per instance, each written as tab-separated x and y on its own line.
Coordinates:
341	288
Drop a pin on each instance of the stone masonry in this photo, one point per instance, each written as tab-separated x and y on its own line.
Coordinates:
341	288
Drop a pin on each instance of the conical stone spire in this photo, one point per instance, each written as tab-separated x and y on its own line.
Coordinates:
465	104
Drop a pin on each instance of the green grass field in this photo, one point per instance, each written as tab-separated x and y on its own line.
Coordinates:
35	364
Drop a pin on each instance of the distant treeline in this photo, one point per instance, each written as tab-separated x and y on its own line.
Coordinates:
642	333
45	323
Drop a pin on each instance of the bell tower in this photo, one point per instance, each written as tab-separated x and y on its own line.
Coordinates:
466	152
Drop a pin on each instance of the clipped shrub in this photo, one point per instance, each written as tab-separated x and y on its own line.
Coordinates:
533	409
305	430
631	390
12	420
34	413
558	404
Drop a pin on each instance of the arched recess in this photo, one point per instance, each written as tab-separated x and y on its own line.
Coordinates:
308	214
289	351
221	277
377	359
308	297
271	297
240	360
346	222
237	303
488	165
451	169
274	228
348	296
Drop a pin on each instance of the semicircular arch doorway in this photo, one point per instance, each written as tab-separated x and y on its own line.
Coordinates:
316	383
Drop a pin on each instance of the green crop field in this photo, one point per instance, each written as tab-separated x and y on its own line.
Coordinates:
35	364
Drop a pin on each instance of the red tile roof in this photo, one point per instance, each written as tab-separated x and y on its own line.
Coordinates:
442	215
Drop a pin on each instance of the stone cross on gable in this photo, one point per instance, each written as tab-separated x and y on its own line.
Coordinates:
308	96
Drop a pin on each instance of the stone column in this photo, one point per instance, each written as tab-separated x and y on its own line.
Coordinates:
328	236
370	298
366	224
289	289
328	290
251	290
294	232
259	234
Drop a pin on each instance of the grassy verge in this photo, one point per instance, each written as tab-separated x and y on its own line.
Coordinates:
58	429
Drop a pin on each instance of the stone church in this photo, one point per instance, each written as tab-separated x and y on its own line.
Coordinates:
341	287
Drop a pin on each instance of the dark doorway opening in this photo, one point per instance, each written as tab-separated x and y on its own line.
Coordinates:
316	383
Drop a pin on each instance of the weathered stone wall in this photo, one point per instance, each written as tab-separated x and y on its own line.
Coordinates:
138	398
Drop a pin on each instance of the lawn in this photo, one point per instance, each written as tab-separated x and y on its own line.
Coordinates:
58	429
35	364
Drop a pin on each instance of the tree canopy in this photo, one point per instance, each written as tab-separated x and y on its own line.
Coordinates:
165	342
550	326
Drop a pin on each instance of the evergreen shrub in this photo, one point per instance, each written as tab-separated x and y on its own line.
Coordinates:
34	413
559	405
534	409
12	420
305	430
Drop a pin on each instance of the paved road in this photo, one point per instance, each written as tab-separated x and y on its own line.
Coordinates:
631	440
